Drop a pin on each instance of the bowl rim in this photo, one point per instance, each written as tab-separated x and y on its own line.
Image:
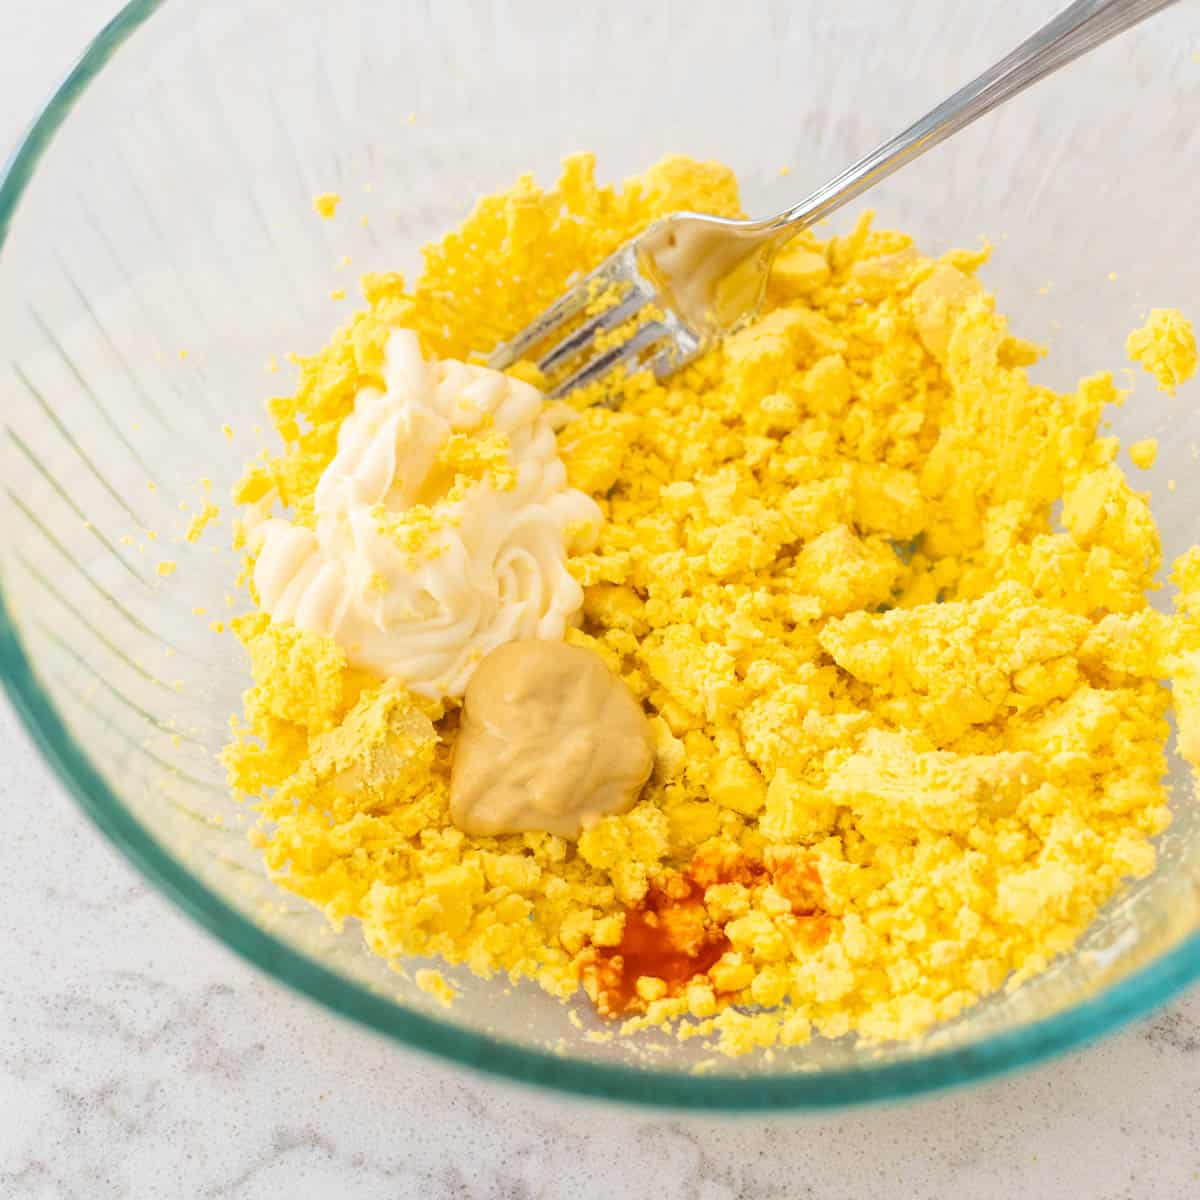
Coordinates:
1068	1029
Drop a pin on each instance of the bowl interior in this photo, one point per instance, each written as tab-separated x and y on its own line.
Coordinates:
161	257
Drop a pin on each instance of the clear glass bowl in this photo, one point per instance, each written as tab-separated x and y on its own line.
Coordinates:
162	204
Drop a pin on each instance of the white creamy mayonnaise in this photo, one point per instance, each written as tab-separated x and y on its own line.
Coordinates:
415	578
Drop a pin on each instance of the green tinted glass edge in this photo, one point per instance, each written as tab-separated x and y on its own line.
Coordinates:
1000	1053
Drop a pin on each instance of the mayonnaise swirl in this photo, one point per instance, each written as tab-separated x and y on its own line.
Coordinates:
492	564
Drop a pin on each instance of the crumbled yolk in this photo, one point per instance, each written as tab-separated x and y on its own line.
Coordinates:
910	726
1143	453
412	531
326	205
208	513
197	525
436	985
1166	347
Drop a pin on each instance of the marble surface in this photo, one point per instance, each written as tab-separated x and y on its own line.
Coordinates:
138	1058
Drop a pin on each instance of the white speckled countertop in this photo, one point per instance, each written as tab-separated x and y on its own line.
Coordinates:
140	1059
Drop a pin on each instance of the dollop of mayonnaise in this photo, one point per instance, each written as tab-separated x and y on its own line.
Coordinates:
443	526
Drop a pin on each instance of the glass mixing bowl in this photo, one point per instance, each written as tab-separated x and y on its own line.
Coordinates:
159	247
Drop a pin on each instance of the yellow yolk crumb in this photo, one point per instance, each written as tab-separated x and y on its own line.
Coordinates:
435	984
326	204
165	568
910	724
201	521
1144	453
1166	347
208	513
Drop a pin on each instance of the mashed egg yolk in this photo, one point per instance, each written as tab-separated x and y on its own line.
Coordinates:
882	596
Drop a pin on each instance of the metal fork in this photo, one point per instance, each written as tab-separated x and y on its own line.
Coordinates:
694	278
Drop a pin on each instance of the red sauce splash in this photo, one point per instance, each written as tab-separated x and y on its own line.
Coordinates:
797	879
716	867
670	935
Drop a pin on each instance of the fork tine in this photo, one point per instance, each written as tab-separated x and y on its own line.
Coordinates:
582	337
538	330
675	355
613	270
647	336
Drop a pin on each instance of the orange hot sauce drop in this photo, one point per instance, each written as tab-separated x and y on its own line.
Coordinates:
670	935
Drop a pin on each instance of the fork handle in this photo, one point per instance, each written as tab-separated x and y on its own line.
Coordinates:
1080	27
